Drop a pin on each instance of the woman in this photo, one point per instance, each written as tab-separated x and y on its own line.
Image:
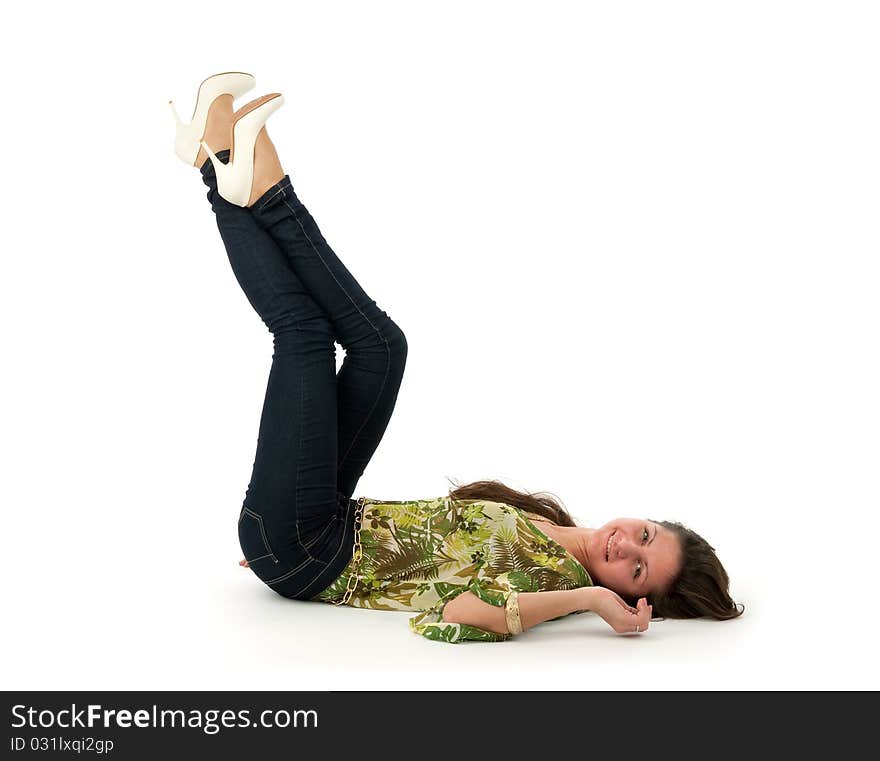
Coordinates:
485	562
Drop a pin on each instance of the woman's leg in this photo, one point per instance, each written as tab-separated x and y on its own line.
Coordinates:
296	526
376	349
292	523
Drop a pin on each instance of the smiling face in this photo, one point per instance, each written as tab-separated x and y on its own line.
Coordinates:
634	557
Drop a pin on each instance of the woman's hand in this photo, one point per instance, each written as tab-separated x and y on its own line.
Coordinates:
243	563
617	614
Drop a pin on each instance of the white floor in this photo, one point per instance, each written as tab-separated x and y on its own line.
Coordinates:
162	627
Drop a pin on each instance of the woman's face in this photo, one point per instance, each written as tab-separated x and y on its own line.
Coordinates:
634	557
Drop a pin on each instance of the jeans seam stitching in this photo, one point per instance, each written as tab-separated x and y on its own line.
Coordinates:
262	533
280	190
254	560
298	568
318	537
263	205
338	549
298	460
369	416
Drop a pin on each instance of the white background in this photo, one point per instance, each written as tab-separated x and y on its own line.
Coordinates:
634	250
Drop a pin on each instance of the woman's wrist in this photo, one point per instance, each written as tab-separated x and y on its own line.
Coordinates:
587	597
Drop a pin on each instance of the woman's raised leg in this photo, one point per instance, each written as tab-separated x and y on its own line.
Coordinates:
376	348
294	523
369	379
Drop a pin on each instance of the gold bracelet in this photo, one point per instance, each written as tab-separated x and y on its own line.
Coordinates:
511	611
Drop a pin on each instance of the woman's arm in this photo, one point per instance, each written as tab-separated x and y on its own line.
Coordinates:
537	607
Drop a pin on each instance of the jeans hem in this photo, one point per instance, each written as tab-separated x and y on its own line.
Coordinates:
277	189
207	169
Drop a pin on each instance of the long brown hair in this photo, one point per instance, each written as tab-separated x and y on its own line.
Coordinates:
701	587
540	503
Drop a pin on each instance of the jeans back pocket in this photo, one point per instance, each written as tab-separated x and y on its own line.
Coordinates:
252	538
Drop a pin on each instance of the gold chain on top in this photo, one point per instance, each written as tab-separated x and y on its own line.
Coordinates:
358	553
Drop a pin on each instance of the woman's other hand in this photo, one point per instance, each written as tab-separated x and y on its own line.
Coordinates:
243	563
623	618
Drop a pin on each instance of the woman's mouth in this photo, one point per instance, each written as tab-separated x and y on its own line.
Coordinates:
608	545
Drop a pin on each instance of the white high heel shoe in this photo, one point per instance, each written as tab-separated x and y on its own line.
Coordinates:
188	137
235	179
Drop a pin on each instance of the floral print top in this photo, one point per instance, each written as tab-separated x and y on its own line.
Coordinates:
420	554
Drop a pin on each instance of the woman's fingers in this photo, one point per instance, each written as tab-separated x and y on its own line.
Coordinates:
243	563
639	619
623	617
644	614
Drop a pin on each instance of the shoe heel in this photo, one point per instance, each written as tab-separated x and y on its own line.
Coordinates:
177	119
219	166
214	159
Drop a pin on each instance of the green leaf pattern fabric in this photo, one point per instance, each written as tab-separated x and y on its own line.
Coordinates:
420	554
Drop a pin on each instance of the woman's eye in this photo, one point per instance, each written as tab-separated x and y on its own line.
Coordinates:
638	571
645	535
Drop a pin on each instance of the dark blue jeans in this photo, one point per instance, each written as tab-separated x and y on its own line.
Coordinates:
318	428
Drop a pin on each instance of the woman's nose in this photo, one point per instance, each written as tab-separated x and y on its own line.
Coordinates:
624	548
